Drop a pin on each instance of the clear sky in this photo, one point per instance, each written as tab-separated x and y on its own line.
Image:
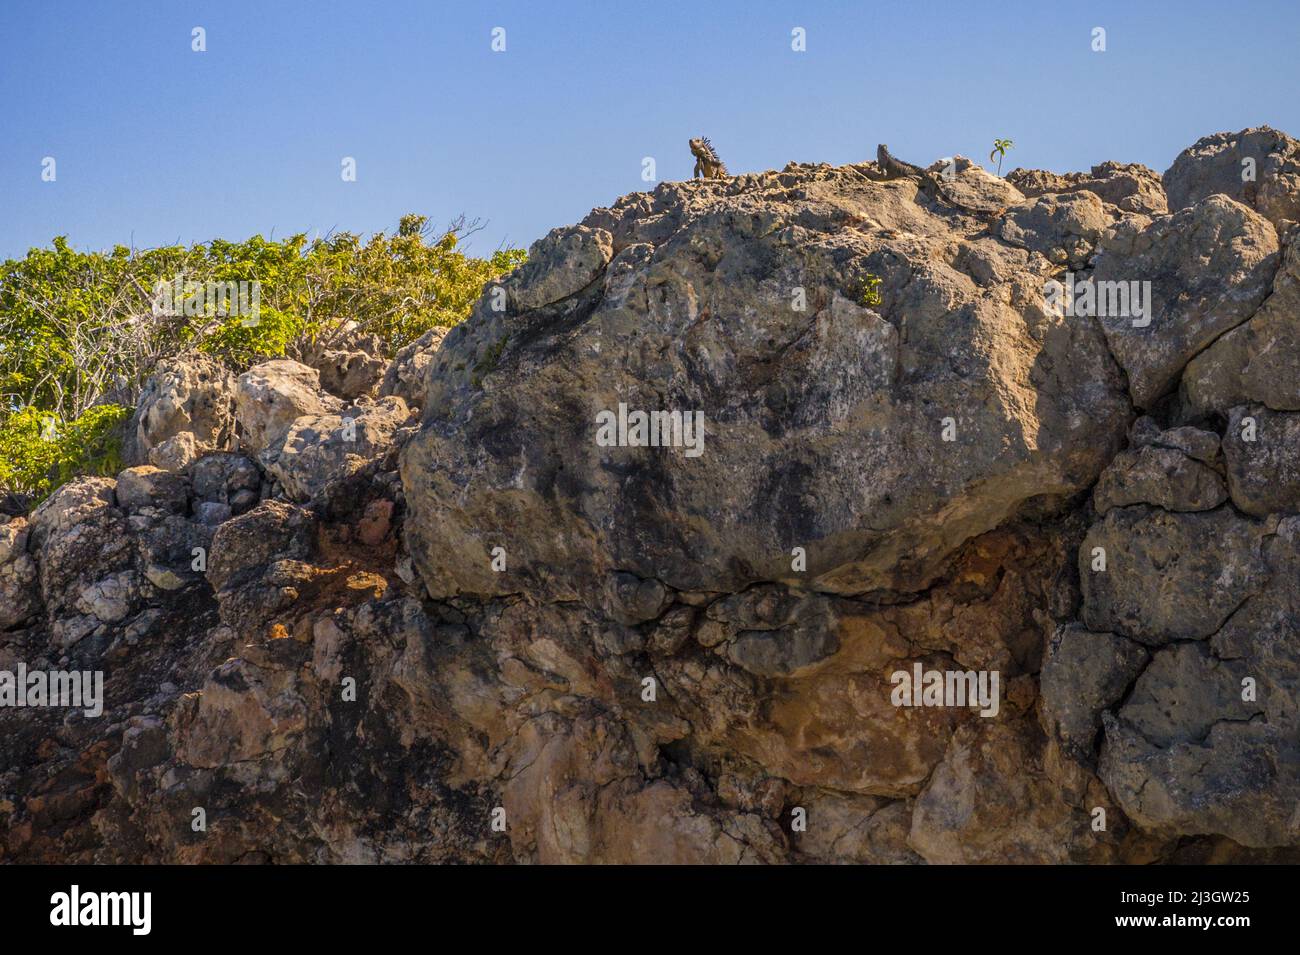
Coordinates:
155	143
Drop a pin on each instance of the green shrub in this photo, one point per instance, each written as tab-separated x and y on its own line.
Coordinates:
38	454
870	296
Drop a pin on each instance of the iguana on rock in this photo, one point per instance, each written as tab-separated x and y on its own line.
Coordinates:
706	160
895	168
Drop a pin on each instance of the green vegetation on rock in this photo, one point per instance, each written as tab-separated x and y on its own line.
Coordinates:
81	331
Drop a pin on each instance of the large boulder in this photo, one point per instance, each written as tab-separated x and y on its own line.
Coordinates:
973	186
83	546
1163	476
243	546
350	362
875	438
1168	576
184	396
559	265
318	451
405	374
227	479
150	487
1262	452
1084	674
1206	742
1259	167
1064	228
1207	269
962	816
1256	361
271	396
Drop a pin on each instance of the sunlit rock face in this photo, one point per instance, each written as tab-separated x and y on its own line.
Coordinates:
777	518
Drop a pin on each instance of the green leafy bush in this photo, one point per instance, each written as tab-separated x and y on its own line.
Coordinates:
38	453
870	296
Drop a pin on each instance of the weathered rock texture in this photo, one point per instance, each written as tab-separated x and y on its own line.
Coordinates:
350	632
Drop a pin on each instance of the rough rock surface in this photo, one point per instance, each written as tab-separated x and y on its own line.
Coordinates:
319	451
1064	227
189	396
1209	266
406	375
1257	167
350	364
824	420
19	596
1164	476
271	396
496	637
1256	361
1129	187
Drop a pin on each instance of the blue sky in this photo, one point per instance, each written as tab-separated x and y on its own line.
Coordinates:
155	143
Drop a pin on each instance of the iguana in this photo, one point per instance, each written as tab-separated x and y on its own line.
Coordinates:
706	160
895	168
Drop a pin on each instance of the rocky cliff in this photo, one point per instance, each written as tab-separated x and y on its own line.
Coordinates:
790	517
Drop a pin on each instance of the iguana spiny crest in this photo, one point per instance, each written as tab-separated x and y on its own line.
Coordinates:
707	162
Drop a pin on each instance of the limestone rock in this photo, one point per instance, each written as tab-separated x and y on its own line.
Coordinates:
1064	228
578	797
1262	452
974	186
1205	742
176	453
19	593
1259	167
111	598
317	451
856	829
1196	443
271	531
243	712
1130	187
184	395
988	769
559	265
271	396
1169	576
350	363
404	376
148	486
1254	362
773	633
1191	751
1209	266
78	538
828	422
1165	477
1227	784
227	479
1084	674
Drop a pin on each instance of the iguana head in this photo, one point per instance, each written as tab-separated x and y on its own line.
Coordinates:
702	149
